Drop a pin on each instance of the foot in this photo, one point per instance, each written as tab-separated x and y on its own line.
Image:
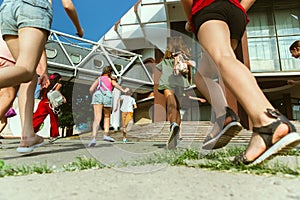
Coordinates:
225	128
108	139
270	140
92	143
173	136
125	140
27	145
257	145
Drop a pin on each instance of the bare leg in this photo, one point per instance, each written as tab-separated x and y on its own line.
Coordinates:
26	54
107	112
26	48
205	80
3	123
97	118
214	37
26	104
172	107
7	96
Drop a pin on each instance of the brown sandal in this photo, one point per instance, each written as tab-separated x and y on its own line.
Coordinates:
287	142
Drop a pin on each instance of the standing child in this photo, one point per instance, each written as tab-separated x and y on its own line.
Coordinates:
128	104
101	91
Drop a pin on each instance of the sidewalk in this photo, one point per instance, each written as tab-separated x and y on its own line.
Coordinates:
126	183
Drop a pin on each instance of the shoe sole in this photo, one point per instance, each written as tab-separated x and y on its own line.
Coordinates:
172	140
29	149
223	138
108	140
91	145
283	145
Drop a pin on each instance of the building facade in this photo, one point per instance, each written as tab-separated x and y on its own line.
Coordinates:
274	25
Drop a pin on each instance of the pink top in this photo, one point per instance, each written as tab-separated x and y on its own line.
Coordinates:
200	4
106	80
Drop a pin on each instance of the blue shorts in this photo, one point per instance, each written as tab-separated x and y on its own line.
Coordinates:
17	14
102	97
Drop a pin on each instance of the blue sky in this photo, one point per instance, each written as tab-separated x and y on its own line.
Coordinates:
96	16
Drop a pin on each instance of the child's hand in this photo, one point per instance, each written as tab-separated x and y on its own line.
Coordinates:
188	27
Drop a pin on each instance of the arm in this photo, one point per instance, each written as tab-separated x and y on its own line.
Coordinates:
293	82
42	71
134	106
187	8
57	88
118	102
72	13
116	85
247	4
93	86
197	99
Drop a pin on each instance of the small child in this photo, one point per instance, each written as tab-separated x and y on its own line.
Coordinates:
127	106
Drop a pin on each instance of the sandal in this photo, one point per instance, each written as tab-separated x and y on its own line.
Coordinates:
286	143
227	132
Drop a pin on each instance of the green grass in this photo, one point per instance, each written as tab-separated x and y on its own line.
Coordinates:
83	163
220	160
7	170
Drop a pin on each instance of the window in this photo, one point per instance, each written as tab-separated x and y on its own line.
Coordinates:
271	30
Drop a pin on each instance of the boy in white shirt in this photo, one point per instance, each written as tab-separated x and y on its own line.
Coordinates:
127	106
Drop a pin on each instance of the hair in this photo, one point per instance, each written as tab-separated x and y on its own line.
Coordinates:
176	44
129	92
54	78
107	71
295	45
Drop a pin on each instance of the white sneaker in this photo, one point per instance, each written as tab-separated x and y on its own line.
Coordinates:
108	139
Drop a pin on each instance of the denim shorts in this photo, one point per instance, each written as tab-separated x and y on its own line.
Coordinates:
17	14
225	11
99	97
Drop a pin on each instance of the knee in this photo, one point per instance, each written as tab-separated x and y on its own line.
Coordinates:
28	76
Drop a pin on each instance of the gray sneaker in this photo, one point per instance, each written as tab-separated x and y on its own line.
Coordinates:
173	136
92	143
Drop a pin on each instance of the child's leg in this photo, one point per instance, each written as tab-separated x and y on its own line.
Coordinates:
26	49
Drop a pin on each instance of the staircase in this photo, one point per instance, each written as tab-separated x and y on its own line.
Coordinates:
192	131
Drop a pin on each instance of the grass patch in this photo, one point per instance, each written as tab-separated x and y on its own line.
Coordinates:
7	170
220	160
83	163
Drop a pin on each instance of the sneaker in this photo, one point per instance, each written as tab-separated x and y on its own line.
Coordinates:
125	140
173	136
108	139
92	143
